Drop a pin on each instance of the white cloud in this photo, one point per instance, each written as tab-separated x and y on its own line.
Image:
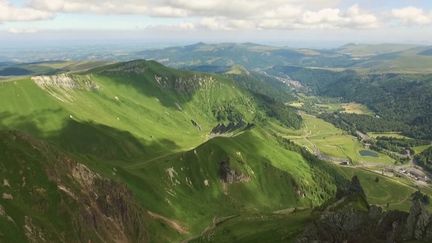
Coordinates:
412	15
290	17
224	14
8	12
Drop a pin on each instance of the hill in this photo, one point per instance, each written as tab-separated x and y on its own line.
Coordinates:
374	58
151	153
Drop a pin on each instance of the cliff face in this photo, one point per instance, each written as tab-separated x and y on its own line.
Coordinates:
349	218
51	197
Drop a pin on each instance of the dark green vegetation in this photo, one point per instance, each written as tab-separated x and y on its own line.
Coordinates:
402	102
424	159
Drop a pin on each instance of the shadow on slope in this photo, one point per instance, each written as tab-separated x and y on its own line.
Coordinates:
91	139
48	196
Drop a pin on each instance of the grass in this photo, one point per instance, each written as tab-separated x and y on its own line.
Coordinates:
321	135
386	134
356	108
394	191
419	149
296	104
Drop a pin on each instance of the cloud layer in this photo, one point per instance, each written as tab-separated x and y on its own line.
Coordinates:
226	14
8	12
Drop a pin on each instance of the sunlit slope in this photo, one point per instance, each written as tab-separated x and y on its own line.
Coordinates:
174	115
248	173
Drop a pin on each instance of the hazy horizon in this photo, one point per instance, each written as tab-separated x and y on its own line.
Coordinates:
310	24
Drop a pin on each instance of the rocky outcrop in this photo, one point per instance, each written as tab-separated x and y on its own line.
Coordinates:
184	84
419	223
105	206
229	175
349	218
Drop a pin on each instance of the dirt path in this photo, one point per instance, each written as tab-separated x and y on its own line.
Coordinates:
216	221
172	223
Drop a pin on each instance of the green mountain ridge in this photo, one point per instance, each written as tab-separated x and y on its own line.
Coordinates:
144	135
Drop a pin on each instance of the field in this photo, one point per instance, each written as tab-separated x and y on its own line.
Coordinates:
421	148
296	104
394	191
356	108
318	104
329	140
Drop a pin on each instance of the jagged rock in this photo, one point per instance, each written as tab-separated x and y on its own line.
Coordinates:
222	128
419	222
7	196
344	221
103	210
195	124
229	175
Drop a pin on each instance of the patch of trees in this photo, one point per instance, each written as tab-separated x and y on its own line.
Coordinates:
399	145
278	110
363	123
264	85
424	159
227	113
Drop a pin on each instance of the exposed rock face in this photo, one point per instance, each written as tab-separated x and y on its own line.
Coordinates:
349	218
230	127
419	223
106	207
187	84
65	82
229	175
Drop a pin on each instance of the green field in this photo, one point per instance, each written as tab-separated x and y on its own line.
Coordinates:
329	140
356	108
386	134
421	148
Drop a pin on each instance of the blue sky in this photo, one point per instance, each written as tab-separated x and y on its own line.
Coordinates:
220	20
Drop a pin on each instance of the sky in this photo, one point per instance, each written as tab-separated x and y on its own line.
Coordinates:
284	22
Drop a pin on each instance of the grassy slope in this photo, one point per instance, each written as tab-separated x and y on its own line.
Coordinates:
93	124
134	131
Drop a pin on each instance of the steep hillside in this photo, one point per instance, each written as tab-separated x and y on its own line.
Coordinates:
48	196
